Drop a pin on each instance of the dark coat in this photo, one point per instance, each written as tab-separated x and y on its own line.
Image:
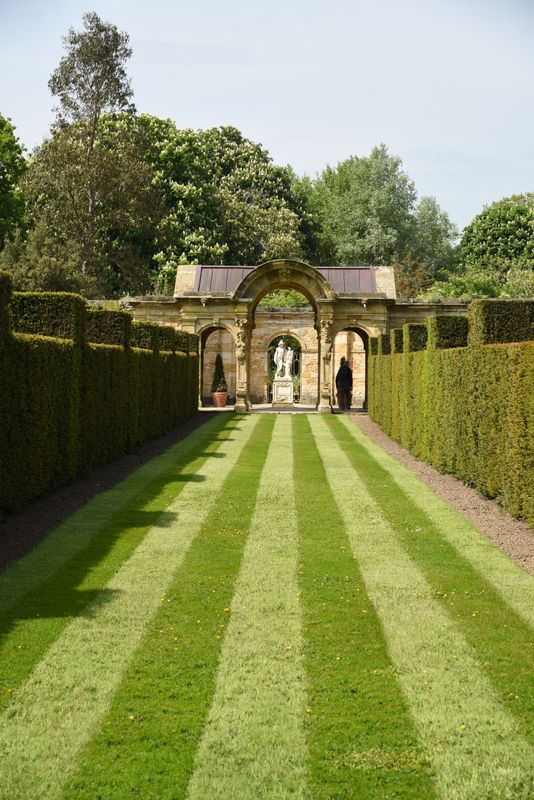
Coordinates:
344	377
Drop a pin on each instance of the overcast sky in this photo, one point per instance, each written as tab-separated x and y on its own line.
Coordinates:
446	84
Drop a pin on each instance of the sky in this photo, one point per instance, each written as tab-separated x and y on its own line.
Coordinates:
447	85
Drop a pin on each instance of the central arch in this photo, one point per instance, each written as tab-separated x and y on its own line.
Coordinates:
291	274
284	274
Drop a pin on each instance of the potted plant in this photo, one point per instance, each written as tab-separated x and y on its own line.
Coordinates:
219	387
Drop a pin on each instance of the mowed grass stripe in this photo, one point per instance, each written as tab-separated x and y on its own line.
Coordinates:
513	583
61	704
254	745
45	610
502	639
472	741
146	743
362	741
98	515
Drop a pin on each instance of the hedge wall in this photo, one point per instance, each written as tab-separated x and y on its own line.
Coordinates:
67	406
492	321
58	314
108	327
467	410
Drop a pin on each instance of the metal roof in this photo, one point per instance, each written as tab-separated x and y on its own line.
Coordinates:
226	279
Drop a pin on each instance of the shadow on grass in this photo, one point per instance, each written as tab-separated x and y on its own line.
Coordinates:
63	595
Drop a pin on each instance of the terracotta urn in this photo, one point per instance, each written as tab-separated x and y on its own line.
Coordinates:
219	399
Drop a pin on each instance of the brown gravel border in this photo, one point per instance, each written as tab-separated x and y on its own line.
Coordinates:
513	536
20	532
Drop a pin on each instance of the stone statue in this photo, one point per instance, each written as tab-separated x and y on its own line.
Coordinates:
288	362
279	358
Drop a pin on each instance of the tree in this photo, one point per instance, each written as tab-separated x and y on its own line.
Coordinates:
108	242
90	80
90	187
227	202
365	206
496	253
12	166
501	236
433	238
368	214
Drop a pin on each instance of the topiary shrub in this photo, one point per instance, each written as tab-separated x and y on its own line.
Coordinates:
373	345
218	383
415	337
447	331
108	327
500	321
145	335
58	314
384	344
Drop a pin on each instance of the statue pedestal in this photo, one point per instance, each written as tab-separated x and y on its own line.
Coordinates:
282	392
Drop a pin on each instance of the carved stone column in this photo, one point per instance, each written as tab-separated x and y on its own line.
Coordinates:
243	336
325	363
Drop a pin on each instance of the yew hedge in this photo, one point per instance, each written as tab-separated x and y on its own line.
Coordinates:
467	410
67	406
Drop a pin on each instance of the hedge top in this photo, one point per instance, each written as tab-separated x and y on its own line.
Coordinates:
108	327
493	321
447	331
58	314
63	315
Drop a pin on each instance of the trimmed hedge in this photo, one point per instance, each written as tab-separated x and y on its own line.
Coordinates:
67	406
469	411
6	288
373	345
167	339
397	340
384	344
108	327
145	335
415	337
492	321
57	314
447	331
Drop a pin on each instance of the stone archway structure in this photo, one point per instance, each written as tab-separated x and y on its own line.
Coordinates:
227	297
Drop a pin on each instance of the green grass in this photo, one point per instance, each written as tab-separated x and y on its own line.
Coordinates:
149	737
353	693
42	593
501	639
274	608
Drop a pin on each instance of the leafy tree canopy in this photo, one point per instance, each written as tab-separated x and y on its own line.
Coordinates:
501	236
12	167
368	213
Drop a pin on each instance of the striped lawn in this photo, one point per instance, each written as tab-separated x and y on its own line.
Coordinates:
41	593
71	687
473	742
490	597
274	608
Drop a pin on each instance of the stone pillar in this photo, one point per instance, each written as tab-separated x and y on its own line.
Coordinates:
325	364
243	336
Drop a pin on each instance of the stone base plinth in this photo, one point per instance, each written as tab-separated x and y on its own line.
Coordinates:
282	392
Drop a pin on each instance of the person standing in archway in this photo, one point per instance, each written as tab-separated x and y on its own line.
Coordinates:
344	385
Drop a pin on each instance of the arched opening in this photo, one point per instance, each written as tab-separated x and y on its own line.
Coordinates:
216	339
352	344
286	315
294	344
